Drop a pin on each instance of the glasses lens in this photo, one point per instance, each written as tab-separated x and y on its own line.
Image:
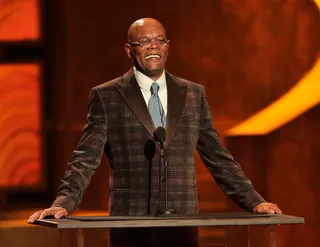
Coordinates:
161	41
144	42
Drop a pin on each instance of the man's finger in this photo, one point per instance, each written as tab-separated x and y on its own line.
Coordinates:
30	218
33	217
270	211
44	214
59	214
277	210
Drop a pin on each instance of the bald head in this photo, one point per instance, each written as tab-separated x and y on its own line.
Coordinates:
134	29
148	47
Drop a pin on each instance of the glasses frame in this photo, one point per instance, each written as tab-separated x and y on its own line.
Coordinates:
137	43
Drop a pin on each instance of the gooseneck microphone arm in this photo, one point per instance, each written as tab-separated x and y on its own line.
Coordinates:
160	135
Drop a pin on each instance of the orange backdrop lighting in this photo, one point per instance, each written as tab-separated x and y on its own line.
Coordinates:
19	20
20	142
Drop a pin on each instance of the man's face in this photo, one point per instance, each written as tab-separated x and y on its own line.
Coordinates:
149	60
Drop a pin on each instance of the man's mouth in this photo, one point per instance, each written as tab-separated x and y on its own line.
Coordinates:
152	56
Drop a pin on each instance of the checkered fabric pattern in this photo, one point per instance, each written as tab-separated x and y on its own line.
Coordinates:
118	122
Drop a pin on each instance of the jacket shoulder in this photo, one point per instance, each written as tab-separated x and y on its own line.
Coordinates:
190	84
109	85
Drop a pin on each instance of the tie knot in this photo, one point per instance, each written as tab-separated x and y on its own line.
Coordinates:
154	88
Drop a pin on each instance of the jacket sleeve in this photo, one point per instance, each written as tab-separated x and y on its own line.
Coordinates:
86	157
226	171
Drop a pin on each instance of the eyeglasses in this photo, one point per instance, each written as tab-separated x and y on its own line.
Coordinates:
146	42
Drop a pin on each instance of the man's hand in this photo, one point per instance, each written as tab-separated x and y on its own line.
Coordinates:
57	212
267	208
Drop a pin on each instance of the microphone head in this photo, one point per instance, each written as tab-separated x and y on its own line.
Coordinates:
160	134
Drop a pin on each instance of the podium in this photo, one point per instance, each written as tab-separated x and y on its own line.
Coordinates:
79	223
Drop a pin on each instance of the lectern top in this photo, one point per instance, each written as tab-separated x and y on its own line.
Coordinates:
220	219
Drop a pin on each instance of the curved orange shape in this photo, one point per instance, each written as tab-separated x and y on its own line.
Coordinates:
301	98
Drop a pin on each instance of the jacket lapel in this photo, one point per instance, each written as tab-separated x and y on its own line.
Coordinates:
176	92
129	89
176	101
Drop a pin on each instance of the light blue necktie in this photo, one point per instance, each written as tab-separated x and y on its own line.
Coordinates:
155	107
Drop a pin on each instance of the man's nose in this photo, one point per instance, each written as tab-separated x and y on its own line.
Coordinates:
153	45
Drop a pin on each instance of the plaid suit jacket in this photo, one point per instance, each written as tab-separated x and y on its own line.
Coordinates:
119	123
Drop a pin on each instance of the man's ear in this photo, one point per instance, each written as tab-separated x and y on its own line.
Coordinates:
128	50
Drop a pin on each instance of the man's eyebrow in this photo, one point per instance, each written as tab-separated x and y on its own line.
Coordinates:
148	36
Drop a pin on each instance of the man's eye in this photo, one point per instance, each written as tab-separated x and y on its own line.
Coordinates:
144	41
161	41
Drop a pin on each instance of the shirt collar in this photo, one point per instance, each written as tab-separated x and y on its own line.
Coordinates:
145	82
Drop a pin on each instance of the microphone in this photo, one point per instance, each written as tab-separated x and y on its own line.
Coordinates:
160	134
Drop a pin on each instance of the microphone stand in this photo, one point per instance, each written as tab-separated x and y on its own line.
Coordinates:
165	212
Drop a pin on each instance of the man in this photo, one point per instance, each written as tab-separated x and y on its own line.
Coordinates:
122	117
